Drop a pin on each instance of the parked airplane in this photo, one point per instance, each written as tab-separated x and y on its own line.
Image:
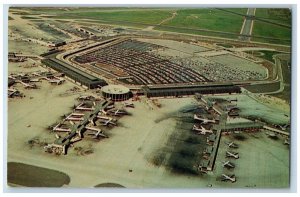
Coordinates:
106	120
287	141
128	105
228	164
57	81
284	127
231	145
271	135
226	177
117	112
201	130
79	107
75	117
96	132
27	85
232	154
204	120
58	128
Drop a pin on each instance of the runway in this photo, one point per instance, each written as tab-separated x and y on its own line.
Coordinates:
247	27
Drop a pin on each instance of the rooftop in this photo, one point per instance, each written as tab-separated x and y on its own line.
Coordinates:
115	89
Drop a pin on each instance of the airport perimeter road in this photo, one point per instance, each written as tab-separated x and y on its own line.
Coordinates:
247	27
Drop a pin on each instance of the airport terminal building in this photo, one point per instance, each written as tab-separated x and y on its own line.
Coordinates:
116	92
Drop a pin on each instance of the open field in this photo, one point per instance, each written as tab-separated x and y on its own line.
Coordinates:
203	32
263	88
20	28
148	16
26	47
211	19
273	31
282	16
185	20
286	73
234	10
60	10
55	33
273	23
267	55
23	27
114	23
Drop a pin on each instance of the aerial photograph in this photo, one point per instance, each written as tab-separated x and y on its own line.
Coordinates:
148	97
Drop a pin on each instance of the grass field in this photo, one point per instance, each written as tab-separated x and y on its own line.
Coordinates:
25	13
211	19
276	15
267	55
286	73
138	16
187	20
262	88
120	23
270	30
279	16
235	10
195	31
225	45
33	176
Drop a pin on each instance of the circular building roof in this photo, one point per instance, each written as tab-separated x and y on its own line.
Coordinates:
115	89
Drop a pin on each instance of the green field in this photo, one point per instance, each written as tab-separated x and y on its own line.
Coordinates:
278	16
262	88
267	55
286	73
195	31
202	18
187	20
225	45
270	30
138	16
117	23
212	19
235	10
282	16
